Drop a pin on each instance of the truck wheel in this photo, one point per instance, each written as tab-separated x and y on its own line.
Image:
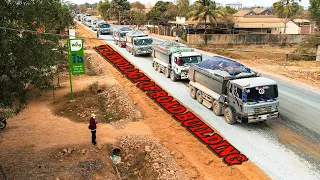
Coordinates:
217	108
173	76
230	116
199	96
193	92
167	72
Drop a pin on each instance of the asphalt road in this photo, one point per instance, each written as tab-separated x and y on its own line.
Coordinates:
297	104
258	142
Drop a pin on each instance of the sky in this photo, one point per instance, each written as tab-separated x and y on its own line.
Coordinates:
245	3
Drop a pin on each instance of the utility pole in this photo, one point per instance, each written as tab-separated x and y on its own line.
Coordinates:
119	16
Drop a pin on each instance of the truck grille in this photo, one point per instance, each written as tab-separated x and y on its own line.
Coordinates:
262	109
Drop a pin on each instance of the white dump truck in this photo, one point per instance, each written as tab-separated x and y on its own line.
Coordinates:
119	35
138	42
174	59
232	89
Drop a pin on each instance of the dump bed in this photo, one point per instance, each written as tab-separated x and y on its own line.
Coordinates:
136	33
214	73
164	50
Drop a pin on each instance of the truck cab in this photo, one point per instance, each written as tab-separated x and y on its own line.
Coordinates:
119	35
252	99
180	63
103	28
142	45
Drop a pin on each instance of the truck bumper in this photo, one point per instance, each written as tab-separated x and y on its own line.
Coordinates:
144	52
182	76
259	118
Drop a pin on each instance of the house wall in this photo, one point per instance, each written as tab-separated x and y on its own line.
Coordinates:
307	29
292	28
197	39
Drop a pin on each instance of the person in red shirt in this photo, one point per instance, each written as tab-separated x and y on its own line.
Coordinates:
93	127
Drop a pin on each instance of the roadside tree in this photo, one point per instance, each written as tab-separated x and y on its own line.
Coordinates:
117	7
28	58
103	8
286	9
314	10
204	10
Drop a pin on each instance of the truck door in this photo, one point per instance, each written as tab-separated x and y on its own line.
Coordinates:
238	98
235	96
174	63
231	100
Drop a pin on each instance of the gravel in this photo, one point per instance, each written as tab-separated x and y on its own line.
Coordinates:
145	151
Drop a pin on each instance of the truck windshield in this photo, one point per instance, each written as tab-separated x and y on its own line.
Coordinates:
104	25
189	60
262	93
140	42
123	34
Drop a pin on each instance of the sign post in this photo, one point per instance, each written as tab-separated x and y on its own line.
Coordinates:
75	59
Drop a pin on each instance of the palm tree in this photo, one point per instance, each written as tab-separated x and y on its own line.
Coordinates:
204	10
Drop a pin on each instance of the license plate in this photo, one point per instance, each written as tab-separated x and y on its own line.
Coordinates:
264	116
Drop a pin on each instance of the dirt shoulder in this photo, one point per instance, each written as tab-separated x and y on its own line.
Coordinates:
40	143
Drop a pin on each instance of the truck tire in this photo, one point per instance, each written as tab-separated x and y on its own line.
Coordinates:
217	108
193	91
167	72
173	76
230	116
199	96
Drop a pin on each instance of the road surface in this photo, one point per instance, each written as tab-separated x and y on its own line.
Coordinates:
258	143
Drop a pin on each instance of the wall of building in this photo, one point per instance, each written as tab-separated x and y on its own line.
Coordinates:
197	39
307	29
292	28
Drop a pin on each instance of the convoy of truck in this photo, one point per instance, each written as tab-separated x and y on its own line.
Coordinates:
119	35
174	59
138	42
219	83
234	90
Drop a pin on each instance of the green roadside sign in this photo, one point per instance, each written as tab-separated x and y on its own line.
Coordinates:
76	56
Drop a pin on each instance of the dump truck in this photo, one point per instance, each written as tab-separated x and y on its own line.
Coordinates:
232	89
119	35
138	42
174	59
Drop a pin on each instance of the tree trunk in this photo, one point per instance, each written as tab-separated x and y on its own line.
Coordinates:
205	30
